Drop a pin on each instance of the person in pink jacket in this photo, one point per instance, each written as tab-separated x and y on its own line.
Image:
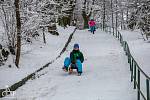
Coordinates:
92	25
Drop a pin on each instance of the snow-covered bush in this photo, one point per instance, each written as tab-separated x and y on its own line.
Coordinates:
3	55
140	17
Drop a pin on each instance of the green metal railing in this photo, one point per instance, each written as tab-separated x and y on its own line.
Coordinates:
135	70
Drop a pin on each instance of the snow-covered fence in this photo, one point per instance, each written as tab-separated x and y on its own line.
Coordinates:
135	69
67	43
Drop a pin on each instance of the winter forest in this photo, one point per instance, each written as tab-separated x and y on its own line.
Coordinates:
37	35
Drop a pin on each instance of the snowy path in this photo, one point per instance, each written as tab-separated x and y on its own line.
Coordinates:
105	74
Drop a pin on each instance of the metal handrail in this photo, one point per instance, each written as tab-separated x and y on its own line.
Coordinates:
134	67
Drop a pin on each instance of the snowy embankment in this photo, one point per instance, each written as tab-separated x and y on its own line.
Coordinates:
138	48
106	74
34	56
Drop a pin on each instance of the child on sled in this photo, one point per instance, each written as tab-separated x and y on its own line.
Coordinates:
74	61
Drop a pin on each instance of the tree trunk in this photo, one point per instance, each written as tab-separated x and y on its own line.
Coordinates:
86	19
18	25
44	36
112	15
116	16
85	16
104	14
122	20
127	19
73	3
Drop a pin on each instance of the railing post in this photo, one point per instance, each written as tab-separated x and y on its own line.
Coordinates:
107	29
138	85
130	62
124	45
147	86
113	31
132	69
125	48
120	39
110	30
128	57
135	76
116	34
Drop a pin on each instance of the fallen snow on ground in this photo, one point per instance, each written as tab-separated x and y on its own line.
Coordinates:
139	49
34	56
106	74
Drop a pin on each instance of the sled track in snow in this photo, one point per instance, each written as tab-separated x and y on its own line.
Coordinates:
32	75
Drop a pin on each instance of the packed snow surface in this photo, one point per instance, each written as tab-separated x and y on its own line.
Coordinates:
105	76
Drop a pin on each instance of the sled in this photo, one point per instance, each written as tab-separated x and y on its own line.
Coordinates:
71	68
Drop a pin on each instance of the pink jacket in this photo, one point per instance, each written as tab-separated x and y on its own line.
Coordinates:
91	23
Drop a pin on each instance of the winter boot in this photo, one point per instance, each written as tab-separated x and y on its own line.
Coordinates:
79	74
65	69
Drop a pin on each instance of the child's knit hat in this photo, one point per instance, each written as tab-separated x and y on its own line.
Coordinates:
76	46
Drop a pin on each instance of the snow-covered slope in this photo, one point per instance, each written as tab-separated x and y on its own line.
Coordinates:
139	49
34	56
106	74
